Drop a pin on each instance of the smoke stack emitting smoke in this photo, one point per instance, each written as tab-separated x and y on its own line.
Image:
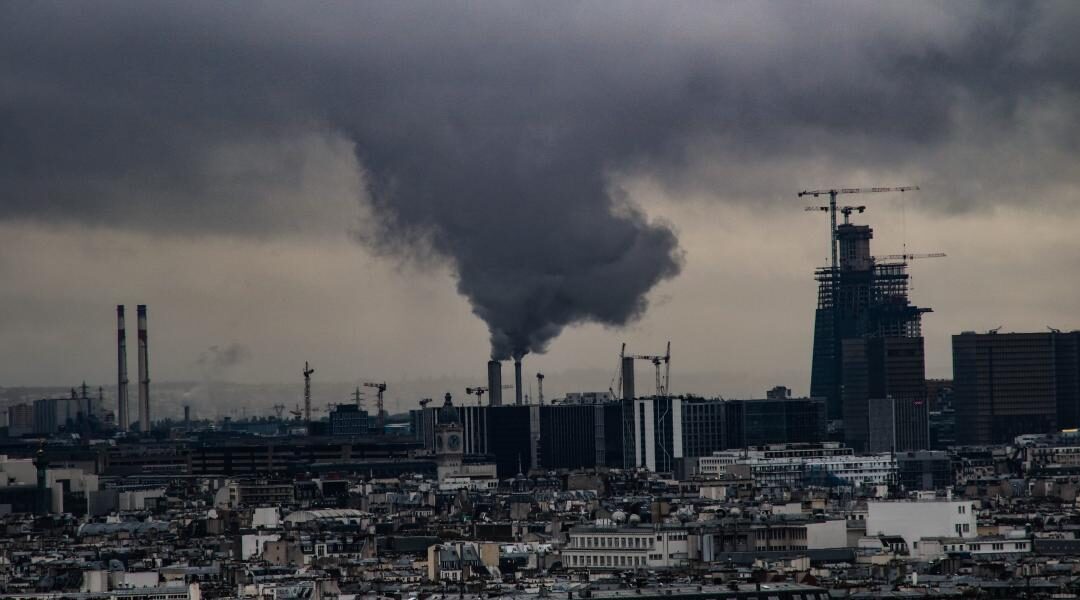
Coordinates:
494	383
517	382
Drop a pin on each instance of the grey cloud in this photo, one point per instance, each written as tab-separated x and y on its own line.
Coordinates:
488	135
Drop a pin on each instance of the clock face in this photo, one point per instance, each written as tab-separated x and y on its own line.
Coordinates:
453	442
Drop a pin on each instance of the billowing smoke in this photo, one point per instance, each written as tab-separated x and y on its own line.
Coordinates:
538	242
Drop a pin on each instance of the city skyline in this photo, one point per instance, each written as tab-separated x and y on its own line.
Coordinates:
254	230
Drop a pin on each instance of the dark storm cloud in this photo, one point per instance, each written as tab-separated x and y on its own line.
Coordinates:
488	134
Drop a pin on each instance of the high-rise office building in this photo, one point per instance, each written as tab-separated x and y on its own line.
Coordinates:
884	394
580	436
350	420
759	422
1008	384
897	425
664	429
863	299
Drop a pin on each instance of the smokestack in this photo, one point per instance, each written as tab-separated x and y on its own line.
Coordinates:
187	417
494	383
121	371
628	378
144	372
517	381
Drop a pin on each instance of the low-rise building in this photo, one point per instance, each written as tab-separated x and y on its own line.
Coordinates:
779	533
983	546
256	492
830	471
922	517
614	547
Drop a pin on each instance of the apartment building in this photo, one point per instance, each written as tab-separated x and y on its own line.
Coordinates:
616	547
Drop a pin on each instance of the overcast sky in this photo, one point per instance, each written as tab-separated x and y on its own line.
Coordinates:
401	190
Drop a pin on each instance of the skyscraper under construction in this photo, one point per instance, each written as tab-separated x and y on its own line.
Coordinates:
859	300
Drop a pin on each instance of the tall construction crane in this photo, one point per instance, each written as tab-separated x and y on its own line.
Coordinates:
833	193
662	381
906	257
479	392
307	391
844	210
380	416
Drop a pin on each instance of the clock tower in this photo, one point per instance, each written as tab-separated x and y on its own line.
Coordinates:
449	441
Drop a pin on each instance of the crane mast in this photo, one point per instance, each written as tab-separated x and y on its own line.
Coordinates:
833	193
307	392
663	386
479	392
380	416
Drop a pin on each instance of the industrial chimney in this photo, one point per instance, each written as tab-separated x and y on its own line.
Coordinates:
517	381
144	372
628	378
494	383
121	371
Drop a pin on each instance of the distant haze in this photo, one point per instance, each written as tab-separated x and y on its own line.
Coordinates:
397	191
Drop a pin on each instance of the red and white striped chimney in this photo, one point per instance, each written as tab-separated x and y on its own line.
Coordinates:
144	373
121	371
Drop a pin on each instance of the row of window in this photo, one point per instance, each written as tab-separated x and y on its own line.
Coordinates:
590	560
639	542
589	541
994	547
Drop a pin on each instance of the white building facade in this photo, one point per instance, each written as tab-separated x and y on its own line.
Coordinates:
917	519
620	548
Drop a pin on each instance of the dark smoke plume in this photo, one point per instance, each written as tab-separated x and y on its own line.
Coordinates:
536	247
